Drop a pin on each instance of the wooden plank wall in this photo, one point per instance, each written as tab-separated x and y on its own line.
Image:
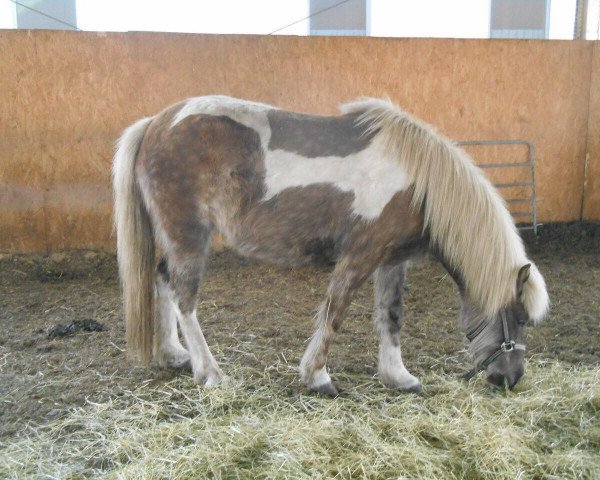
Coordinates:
66	96
591	196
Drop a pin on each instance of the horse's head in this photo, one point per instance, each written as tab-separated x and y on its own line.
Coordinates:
498	344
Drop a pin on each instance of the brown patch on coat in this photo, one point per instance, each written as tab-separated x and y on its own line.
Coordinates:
317	136
299	225
316	224
204	171
391	238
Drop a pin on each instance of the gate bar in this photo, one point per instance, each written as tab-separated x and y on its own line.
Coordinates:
530	163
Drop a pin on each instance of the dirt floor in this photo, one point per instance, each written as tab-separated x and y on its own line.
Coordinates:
45	371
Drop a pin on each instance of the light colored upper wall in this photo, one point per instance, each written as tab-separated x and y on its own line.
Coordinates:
388	18
431	18
222	16
7	13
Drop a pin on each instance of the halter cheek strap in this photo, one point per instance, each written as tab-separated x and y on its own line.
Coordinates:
507	346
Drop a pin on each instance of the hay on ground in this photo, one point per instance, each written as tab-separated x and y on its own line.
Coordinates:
252	428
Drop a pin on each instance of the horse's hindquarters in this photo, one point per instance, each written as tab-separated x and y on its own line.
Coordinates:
197	175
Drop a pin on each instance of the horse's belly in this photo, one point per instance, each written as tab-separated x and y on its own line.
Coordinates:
299	225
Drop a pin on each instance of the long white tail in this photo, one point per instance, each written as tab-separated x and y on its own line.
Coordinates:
135	244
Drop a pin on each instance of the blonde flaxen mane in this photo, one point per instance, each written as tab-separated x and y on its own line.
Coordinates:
466	217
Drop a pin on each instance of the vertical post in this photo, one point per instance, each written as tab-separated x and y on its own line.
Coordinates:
580	20
533	197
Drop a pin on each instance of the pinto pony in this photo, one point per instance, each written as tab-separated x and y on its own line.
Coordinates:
368	189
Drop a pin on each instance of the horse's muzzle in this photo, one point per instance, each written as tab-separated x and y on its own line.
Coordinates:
499	380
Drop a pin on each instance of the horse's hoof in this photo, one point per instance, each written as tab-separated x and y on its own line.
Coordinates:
412	386
327	389
213	380
416	388
210	379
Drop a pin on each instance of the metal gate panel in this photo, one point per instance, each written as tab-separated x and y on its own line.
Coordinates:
530	198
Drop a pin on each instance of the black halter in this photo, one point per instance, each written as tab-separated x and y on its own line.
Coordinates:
507	346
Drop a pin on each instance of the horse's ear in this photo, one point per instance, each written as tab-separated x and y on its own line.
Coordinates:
522	277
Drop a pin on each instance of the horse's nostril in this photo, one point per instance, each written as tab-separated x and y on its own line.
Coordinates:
496	379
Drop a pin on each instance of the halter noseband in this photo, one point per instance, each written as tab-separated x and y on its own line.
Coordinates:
507	346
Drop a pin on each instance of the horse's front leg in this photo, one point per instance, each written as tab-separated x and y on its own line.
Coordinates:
389	283
347	277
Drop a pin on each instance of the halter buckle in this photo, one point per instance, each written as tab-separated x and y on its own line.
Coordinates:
508	346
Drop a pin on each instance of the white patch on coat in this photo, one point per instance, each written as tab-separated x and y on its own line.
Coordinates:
251	114
370	175
392	371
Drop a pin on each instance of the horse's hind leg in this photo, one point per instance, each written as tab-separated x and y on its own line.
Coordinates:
185	266
389	282
168	351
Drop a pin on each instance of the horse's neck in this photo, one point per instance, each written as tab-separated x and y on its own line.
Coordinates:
455	274
468	310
